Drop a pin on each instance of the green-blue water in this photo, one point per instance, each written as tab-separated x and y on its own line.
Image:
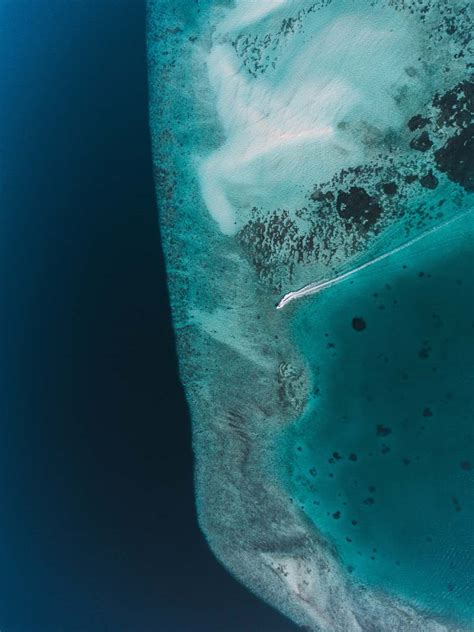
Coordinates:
296	141
382	460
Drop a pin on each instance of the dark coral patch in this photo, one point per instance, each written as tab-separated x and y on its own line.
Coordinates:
319	196
430	181
422	143
357	205
456	503
389	188
455	158
358	323
417	122
456	106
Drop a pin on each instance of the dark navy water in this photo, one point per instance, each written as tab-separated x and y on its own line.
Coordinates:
98	530
383	460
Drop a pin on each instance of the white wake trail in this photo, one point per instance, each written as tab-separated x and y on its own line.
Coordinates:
318	286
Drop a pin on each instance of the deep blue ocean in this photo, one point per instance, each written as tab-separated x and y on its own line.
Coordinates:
98	530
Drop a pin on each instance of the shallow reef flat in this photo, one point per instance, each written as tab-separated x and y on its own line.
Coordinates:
325	145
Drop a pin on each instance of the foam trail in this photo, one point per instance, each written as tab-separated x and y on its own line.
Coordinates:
318	286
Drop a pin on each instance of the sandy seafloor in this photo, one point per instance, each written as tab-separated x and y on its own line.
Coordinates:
294	141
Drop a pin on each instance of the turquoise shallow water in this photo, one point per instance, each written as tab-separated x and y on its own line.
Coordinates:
382	460
295	141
